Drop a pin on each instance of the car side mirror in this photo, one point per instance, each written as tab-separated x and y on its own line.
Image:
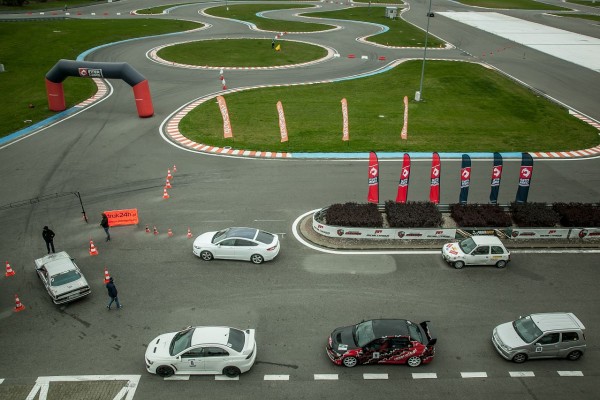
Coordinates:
432	342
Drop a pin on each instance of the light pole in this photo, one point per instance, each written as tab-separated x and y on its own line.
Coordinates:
419	94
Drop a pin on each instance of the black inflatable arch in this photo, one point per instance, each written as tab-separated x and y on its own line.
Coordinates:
89	69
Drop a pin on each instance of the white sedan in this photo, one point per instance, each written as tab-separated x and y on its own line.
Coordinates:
237	244
202	350
62	278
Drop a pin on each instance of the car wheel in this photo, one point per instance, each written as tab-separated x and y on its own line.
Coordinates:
231	372
459	264
414	361
350	362
257	258
501	264
206	255
574	355
520	358
165	371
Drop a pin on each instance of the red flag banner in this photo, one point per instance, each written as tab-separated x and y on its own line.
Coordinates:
282	126
436	172
404	177
373	179
227	133
345	127
404	134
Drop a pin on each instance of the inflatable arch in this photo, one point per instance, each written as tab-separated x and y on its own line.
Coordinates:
88	69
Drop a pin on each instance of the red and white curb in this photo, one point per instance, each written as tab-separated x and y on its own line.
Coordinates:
100	93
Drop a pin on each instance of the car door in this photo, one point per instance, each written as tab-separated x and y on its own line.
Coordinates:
215	359
569	341
226	249
372	352
190	361
479	256
547	346
401	348
244	248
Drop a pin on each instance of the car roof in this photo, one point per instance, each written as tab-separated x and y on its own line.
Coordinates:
57	263
486	239
556	321
247	233
210	334
390	327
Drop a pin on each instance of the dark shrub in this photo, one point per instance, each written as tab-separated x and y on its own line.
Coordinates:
578	214
354	215
534	215
479	215
413	214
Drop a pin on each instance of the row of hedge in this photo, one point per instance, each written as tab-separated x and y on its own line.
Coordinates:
415	214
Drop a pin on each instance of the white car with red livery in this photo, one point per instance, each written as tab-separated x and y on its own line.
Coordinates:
476	250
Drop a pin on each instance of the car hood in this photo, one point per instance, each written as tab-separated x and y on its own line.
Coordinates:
159	346
205	239
452	249
342	339
69	287
507	334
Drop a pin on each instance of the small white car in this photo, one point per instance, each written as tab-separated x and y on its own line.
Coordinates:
61	277
476	250
202	350
247	244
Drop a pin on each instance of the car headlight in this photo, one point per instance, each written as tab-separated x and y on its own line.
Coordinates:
197	247
149	362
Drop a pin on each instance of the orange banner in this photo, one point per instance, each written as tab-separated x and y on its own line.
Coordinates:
346	129
404	134
282	126
122	217
227	132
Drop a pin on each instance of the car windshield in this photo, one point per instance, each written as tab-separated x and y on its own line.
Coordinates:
220	236
415	332
363	333
265	237
527	329
236	340
181	341
64	278
467	245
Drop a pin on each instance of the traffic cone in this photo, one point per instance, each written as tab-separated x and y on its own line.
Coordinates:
106	276
93	249
18	305
165	194
9	270
168	184
147	229
189	234
170	233
224	85
169	176
174	168
155	230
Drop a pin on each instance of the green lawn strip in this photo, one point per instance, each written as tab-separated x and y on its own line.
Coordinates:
581	16
247	12
160	9
512	4
242	53
391	2
401	33
466	107
589	3
47	5
36	46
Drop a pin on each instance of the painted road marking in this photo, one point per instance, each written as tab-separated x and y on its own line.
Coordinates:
570	373
375	376
177	378
424	375
326	377
226	378
473	374
521	374
42	384
277	378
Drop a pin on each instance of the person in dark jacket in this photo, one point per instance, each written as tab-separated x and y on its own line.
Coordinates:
104	224
48	236
112	293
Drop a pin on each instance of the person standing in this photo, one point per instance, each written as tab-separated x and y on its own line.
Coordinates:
48	236
104	224
112	293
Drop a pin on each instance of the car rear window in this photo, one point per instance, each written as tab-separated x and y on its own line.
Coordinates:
237	339
64	278
265	237
497	250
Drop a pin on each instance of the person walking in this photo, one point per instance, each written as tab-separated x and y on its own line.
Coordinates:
48	236
112	293
104	224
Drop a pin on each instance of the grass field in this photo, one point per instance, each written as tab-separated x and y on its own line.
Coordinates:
467	108
35	47
590	17
242	53
512	4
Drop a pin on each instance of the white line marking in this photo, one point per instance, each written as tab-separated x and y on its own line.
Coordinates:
226	378
1	381
570	373
42	384
473	374
269	220
177	378
424	375
521	374
326	377
277	378
375	376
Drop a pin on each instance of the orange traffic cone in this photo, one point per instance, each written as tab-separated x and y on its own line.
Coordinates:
169	176
189	235
170	233
174	168
165	194
168	184
18	305
9	270
93	249
155	230
106	276
147	229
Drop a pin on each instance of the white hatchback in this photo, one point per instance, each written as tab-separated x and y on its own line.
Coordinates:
476	250
202	350
248	244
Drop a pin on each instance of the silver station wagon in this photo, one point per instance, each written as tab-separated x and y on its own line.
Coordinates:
61	277
545	335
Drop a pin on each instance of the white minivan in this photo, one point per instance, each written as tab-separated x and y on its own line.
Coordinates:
476	250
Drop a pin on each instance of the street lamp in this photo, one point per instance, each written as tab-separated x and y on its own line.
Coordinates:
420	92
